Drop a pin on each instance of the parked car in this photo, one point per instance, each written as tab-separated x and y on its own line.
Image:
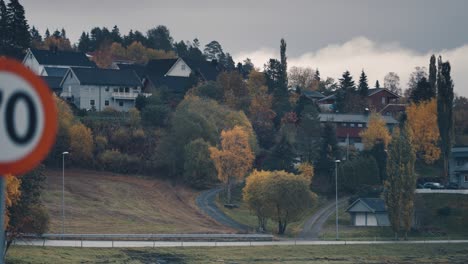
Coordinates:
433	185
453	186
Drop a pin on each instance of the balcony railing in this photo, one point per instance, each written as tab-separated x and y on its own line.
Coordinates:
129	96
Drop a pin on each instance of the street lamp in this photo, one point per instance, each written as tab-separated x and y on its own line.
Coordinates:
63	191
336	195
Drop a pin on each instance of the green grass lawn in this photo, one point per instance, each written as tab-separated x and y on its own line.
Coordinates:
337	254
436	223
245	216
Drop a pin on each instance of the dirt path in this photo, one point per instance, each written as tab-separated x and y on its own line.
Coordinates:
314	224
206	202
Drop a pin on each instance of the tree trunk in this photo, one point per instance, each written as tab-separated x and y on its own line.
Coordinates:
229	192
446	165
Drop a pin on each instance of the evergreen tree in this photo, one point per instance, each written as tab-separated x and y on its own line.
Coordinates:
36	38
308	133
347	87
84	42
3	28
445	111
57	34
377	84
47	33
423	91
181	49
363	86
63	33
433	74
159	38
115	35
317	75
284	67
18	29
328	151
214	51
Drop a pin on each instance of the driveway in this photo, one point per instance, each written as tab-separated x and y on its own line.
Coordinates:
206	202
313	226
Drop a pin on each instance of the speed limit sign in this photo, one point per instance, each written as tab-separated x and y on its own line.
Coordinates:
28	118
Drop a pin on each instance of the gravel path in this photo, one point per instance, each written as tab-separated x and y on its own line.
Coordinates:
206	202
314	224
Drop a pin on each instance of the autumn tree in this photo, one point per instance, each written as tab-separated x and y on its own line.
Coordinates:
415	77
304	78
236	93
81	143
445	111
234	158
278	195
422	121
392	83
376	131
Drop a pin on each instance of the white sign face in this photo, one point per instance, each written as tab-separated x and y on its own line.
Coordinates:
21	117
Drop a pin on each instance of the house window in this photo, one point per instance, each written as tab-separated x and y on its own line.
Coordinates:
183	67
466	177
121	89
107	89
383	100
359	125
121	103
127	90
352	124
91	102
115	90
343	124
106	102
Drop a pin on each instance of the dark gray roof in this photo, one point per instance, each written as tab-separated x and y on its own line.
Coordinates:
62	58
352	118
106	77
330	97
313	94
139	69
174	84
377	90
53	82
56	71
209	71
374	204
158	68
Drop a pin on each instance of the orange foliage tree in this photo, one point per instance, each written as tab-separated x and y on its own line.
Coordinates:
234	159
422	121
13	195
376	131
81	143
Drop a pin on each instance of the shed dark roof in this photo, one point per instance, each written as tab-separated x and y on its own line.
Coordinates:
313	94
63	58
53	82
374	204
352	118
373	91
106	77
56	71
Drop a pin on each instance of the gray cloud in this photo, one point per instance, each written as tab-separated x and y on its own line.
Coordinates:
377	59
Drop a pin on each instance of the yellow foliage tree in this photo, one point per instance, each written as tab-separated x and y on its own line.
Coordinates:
306	171
254	195
13	195
81	143
234	159
422	121
376	131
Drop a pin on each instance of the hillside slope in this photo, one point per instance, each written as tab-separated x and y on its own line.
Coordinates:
101	202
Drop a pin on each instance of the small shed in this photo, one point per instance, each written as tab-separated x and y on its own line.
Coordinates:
368	212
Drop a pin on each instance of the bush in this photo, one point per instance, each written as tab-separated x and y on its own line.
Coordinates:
113	160
155	115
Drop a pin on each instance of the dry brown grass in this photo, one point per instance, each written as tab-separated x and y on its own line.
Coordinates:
102	202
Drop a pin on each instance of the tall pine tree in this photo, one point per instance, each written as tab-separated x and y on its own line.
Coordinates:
433	74
347	86
445	111
377	84
363	85
3	28
18	29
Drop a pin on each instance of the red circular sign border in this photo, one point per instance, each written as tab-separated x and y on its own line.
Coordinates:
47	139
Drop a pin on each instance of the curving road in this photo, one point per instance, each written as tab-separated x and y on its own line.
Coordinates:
206	202
314	224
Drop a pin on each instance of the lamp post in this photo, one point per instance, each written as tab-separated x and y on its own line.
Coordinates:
63	191
336	196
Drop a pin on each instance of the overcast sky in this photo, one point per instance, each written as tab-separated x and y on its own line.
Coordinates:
379	36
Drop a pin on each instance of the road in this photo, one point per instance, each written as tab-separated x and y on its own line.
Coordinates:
314	224
160	244
206	202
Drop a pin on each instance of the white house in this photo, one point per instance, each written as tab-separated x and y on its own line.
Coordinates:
458	166
368	212
96	88
55	62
